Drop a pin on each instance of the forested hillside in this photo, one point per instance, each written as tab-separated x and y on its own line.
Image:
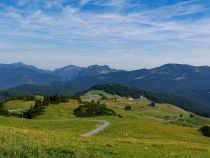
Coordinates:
135	93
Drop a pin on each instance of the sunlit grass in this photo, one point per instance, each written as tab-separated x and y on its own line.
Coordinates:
18	104
142	132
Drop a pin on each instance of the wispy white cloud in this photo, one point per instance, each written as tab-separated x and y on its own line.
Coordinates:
71	27
84	2
112	3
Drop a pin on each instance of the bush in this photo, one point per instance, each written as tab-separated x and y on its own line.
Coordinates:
205	130
191	115
128	108
88	109
152	104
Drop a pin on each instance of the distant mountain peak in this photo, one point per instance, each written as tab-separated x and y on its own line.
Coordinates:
68	72
69	68
16	74
99	66
96	70
71	72
174	65
18	65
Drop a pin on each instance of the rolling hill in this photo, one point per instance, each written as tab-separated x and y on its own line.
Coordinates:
144	131
124	91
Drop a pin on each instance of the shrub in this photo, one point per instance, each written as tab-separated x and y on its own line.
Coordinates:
191	115
128	108
205	130
88	109
120	116
152	104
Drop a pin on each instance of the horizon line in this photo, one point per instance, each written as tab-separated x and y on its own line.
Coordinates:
81	66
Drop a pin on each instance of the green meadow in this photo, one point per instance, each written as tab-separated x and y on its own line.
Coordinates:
163	131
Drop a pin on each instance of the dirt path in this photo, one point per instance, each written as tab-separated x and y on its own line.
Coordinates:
98	129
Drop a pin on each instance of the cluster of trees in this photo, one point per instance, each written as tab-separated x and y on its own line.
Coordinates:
90	109
56	99
3	111
35	110
187	104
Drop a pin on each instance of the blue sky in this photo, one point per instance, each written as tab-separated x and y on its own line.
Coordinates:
127	34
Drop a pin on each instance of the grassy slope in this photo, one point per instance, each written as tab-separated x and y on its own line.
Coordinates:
57	133
18	104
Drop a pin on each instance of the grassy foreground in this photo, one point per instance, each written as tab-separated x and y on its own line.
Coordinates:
145	132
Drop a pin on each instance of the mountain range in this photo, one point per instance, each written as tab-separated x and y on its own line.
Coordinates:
19	74
187	81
